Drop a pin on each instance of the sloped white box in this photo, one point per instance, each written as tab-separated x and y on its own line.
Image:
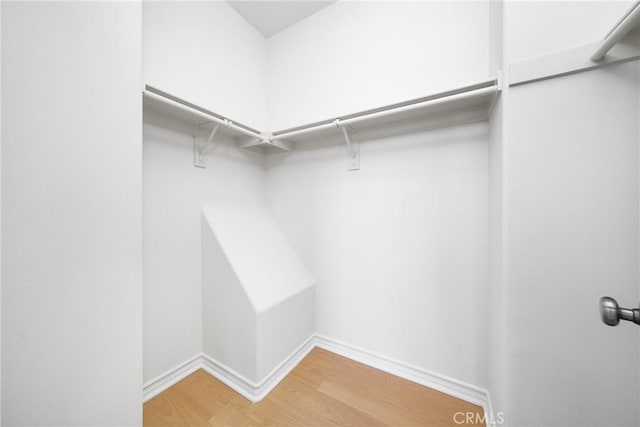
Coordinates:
258	297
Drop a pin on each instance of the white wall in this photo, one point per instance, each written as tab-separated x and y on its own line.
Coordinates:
399	248
495	308
72	190
205	53
399	244
572	213
266	266
372	53
496	12
174	193
283	328
257	294
229	322
352	56
557	25
209	55
0	221
570	176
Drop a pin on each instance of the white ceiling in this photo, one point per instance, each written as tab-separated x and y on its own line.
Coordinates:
270	17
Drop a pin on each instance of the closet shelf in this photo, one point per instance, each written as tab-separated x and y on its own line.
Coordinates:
458	106
629	22
168	111
465	104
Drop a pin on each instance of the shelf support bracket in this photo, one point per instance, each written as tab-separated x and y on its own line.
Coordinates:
200	153
353	147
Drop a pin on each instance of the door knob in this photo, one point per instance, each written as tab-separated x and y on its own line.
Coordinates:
611	313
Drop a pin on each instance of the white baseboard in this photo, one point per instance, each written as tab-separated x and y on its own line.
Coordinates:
452	387
152	388
251	390
255	392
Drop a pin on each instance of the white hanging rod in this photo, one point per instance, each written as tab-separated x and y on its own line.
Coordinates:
479	89
623	26
207	116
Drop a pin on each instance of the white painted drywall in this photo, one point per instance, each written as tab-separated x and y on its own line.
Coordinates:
352	56
0	221
570	205
72	213
572	237
174	193
395	245
209	55
535	28
283	328
496	322
206	53
400	248
228	323
267	267
496	12
257	294
495	307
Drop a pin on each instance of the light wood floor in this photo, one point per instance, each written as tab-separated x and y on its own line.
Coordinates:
324	389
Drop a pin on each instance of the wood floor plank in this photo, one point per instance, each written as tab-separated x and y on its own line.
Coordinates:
310	370
205	394
231	415
324	389
434	407
170	409
324	409
370	404
269	412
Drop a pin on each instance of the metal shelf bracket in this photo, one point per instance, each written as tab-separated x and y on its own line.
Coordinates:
200	152
353	147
